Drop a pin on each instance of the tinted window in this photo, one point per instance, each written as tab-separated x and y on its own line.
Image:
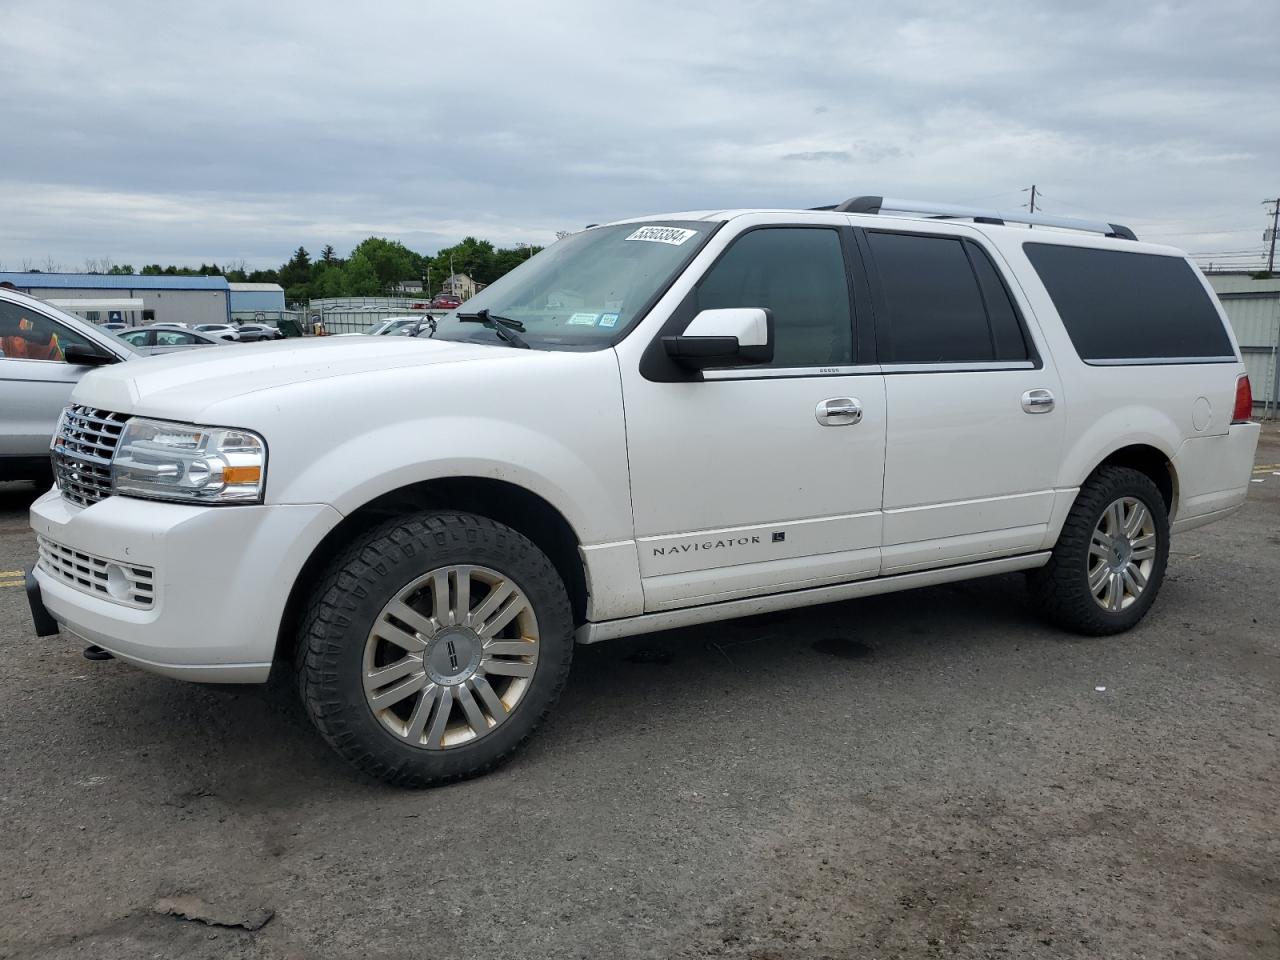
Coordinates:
27	335
1006	330
935	309
799	274
173	338
1129	306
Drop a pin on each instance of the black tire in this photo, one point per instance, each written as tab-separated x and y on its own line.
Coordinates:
354	590
1060	589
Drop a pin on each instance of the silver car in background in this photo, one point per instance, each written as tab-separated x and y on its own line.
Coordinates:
43	353
158	339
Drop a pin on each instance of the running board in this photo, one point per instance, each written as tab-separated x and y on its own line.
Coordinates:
732	609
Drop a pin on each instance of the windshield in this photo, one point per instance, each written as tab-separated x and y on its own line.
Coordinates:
584	290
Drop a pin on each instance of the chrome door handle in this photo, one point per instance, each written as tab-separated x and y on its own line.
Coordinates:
838	411
1037	401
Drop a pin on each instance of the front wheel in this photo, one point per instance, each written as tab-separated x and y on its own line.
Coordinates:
434	647
1110	558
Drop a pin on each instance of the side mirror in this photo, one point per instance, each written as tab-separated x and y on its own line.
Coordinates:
731	337
87	355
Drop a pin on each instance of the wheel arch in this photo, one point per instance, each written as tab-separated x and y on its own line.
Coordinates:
1150	460
508	503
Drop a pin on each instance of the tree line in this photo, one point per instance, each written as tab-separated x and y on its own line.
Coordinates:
373	269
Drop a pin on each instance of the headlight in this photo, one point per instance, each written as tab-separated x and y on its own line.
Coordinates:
178	461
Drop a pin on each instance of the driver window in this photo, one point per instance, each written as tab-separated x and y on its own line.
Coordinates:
27	335
799	274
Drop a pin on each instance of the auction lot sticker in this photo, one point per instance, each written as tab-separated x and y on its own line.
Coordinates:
672	235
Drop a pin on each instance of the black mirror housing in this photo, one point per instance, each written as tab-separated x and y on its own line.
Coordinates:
88	355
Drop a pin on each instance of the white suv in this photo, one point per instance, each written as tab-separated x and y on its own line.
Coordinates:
652	424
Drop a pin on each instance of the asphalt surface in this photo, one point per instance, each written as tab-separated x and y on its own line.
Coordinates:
931	774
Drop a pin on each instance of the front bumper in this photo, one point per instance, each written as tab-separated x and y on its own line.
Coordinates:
222	577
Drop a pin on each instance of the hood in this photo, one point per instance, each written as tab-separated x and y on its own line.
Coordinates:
179	385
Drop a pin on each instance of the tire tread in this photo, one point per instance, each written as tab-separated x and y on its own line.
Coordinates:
325	626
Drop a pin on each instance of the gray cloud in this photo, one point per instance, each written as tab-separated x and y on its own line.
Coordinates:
187	132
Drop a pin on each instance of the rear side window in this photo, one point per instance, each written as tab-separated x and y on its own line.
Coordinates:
1120	306
943	302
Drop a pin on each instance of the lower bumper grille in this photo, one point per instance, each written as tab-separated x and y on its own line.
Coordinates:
128	584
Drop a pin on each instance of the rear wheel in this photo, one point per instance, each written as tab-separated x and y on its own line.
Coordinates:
1109	561
434	647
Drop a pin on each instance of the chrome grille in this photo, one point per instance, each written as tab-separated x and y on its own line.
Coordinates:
82	452
130	584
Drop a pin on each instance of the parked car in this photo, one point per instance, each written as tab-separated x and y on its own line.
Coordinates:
445	301
251	332
224	331
651	424
389	325
43	352
172	324
161	339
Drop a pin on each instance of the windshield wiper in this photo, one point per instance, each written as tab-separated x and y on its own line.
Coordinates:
504	327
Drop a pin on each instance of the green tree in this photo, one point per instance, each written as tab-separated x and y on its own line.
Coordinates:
329	255
330	283
359	277
391	260
295	276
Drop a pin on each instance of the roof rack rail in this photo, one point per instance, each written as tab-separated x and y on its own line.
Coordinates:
978	215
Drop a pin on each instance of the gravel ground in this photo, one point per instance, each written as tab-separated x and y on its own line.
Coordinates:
932	774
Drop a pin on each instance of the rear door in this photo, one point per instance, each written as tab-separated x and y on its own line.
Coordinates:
976	425
742	481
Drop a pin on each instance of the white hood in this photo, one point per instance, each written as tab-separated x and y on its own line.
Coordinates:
179	385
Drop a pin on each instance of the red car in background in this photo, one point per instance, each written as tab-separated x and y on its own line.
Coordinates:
445	301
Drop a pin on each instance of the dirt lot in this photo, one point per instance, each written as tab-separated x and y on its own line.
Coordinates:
934	774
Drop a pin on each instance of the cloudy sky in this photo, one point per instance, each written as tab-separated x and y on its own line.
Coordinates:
218	131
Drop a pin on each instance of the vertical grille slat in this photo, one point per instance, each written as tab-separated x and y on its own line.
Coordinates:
82	452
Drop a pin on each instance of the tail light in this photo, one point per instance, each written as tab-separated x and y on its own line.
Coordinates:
1244	401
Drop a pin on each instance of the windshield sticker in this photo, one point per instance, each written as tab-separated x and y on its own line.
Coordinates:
672	235
608	319
583	319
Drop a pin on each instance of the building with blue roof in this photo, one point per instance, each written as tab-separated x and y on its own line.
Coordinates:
168	299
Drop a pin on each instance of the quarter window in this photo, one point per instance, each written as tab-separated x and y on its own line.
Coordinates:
1121	307
798	273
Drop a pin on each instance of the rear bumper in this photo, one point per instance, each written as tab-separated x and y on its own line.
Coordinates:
1213	475
222	577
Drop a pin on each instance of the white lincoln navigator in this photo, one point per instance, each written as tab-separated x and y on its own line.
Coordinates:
651	424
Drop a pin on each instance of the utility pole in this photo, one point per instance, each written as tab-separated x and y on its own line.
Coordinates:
1032	205
1275	222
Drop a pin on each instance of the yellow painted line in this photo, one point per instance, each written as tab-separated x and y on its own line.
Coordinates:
12	583
1266	466
5	574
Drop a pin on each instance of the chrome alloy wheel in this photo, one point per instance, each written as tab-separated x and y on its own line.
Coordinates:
1122	553
450	656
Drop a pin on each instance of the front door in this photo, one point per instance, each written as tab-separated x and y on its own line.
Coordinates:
762	479
35	380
